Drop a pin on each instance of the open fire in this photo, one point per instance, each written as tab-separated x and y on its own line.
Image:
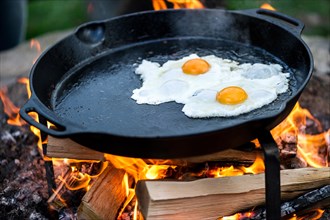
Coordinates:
292	137
176	4
311	150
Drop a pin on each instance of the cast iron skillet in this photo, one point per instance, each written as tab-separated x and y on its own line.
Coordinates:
83	84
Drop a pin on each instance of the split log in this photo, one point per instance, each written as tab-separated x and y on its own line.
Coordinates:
212	198
105	197
66	148
244	154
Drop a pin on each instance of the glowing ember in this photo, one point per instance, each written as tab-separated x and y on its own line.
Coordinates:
316	214
176	4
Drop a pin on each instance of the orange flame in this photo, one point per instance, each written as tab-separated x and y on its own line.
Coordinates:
226	171
137	168
76	178
316	214
237	216
10	109
268	7
257	167
191	4
310	148
35	44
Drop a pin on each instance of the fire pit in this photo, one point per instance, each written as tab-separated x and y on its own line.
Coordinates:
104	180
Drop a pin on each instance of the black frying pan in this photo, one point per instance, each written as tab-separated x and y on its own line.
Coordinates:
83	84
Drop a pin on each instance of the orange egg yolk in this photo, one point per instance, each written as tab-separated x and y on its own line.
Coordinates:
231	95
195	66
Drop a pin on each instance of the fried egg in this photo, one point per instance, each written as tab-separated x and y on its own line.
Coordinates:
178	80
210	86
242	96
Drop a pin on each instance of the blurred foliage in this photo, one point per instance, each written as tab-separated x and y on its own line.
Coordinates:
50	15
314	13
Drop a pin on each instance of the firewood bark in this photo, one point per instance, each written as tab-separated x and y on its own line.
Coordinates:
212	198
66	148
105	197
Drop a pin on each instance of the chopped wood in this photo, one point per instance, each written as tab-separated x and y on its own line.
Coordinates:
66	148
229	155
211	198
105	197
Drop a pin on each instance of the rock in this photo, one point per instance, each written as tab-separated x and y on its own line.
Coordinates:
36	198
320	48
18	61
17	162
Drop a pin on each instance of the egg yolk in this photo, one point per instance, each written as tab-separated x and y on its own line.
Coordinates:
231	95
195	66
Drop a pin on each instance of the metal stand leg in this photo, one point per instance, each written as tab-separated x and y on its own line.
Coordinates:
272	174
50	177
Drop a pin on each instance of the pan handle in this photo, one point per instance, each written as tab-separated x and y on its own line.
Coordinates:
33	105
293	25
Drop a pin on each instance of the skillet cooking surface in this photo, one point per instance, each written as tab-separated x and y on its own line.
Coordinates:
97	95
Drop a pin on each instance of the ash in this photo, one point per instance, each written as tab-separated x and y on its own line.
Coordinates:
23	186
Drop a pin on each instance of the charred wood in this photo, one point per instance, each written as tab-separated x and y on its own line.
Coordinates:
302	203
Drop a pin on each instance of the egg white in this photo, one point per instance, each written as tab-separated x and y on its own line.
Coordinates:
262	82
168	82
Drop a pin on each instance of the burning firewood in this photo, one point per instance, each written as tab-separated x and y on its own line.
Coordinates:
66	148
212	198
105	197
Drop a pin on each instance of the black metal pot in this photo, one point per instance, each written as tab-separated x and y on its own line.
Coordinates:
83	83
